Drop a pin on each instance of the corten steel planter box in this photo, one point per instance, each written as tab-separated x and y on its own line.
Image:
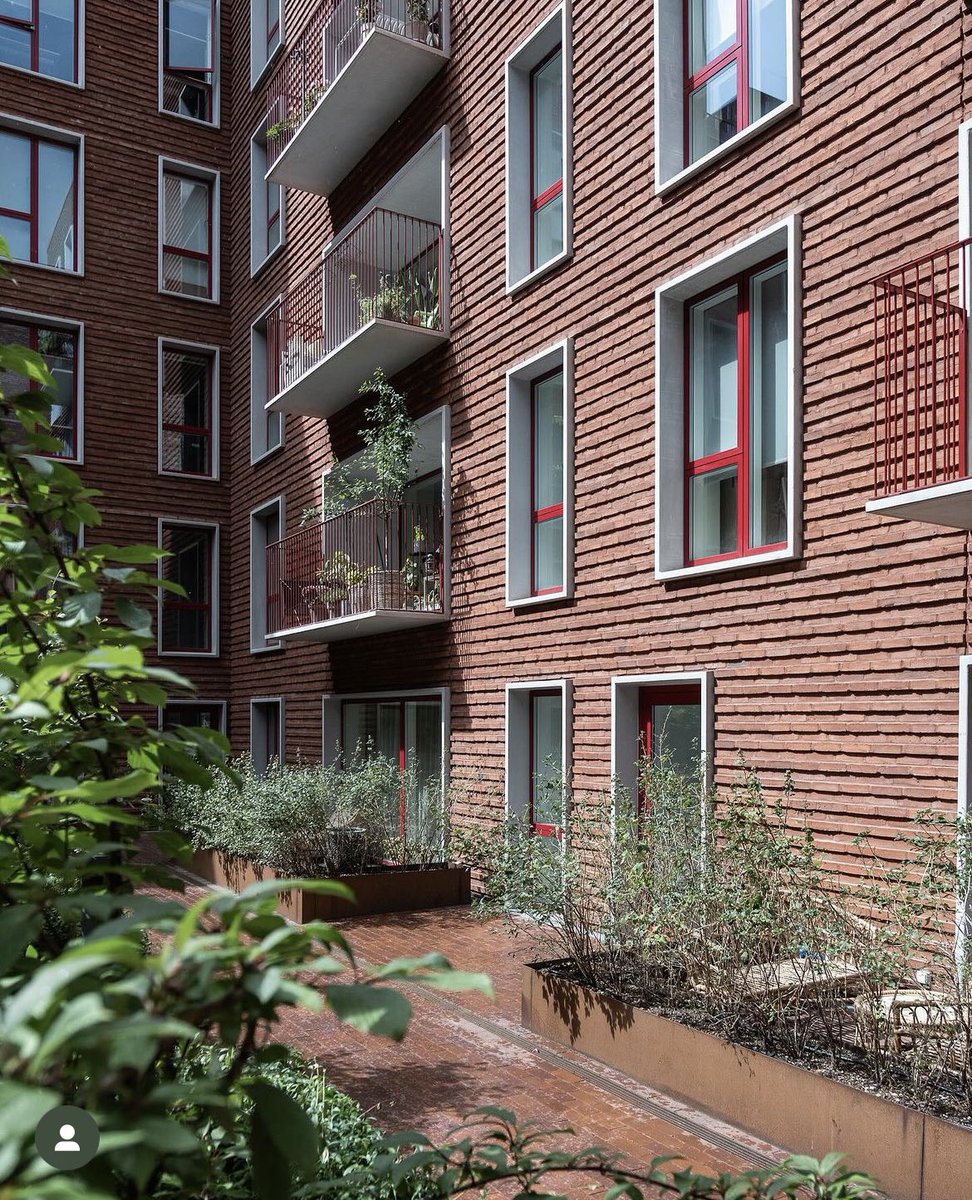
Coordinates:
394	889
915	1156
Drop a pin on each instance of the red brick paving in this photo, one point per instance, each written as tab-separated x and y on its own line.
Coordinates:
448	1064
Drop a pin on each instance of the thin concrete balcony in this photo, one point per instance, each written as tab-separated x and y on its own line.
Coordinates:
349	76
921	390
375	301
376	568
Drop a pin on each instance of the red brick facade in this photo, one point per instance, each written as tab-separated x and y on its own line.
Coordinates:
841	665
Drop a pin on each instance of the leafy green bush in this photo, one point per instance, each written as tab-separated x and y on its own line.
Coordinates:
307	819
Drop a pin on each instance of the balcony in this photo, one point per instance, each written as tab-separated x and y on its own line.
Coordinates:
374	302
373	569
353	71
921	384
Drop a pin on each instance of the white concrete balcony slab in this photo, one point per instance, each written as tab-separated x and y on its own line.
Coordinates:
351	74
374	302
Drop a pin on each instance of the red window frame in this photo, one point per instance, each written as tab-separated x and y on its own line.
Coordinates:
401	701
32	27
182	252
740	455
649	697
203	431
538	202
541	828
274	215
273	27
34	330
173	603
737	53
551	511
171	714
191	75
33	215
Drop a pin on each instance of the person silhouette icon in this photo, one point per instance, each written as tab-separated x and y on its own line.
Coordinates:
67	1141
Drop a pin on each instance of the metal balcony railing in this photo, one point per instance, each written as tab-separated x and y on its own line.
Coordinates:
388	266
329	41
382	555
921	372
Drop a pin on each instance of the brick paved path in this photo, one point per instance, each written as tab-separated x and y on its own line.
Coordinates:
462	1051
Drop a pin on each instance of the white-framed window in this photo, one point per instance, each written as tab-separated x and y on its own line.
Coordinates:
189	59
266	36
724	69
189	623
539	477
666	716
268	218
267	523
539	167
206	714
409	727
44	37
266	428
61	345
267	744
538	732
727	409
188	409
188	230
42	194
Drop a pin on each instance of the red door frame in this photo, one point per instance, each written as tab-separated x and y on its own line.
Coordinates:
738	53
556	188
543	829
551	511
651	696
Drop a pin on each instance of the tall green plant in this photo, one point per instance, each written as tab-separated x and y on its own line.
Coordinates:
104	989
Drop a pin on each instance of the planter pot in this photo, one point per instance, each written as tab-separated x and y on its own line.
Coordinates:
418	30
915	1156
385	588
395	889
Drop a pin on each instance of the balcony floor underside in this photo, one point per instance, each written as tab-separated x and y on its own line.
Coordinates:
365	624
948	504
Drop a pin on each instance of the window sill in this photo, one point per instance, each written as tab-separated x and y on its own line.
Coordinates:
17	263
521	285
256	460
188	653
268	649
664	187
258	79
533	601
79	87
257	269
192	299
743	563
213	126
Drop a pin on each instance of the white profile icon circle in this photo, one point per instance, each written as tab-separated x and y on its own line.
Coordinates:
67	1140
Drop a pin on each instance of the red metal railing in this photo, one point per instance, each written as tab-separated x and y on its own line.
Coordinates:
388	266
382	555
921	372
330	39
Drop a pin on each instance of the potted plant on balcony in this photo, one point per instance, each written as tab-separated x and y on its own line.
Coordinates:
390	302
364	11
417	14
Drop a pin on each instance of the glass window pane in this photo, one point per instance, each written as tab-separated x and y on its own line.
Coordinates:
768	405
548	124
186	401
190	276
548	554
55	217
15	176
56	38
423	759
188	34
676	731
187	213
16	233
14	42
547	765
712	30
713	507
713	392
57	348
190	561
712	113
767	56
548	231
548	441
273	25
